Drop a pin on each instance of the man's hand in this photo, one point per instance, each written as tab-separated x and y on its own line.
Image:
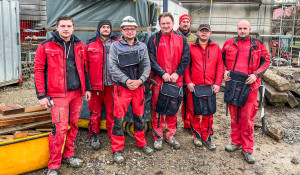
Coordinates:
87	95
226	77
133	84
174	77
216	88
44	102
190	87
251	79
166	77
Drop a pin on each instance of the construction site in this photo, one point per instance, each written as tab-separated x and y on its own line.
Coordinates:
25	125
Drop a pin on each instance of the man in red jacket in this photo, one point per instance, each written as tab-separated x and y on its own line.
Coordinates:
249	56
169	55
60	75
97	51
205	68
184	29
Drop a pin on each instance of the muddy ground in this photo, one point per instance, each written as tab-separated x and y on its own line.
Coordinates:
272	157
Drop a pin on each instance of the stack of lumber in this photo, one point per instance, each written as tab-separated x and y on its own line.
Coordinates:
282	86
18	122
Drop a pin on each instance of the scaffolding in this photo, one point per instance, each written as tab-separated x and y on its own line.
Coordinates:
280	27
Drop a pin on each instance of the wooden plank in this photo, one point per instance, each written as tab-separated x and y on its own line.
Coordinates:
4	138
24	115
11	109
24	120
6	130
35	109
45	130
20	134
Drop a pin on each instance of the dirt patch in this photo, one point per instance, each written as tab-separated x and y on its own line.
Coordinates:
272	157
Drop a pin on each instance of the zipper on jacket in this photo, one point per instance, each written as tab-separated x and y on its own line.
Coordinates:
103	67
65	69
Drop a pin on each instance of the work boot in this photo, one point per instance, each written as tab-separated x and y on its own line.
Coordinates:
95	141
249	157
157	144
118	158
73	161
209	144
197	142
53	172
232	147
147	150
173	143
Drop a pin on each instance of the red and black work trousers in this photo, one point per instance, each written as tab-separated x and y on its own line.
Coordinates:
185	110
242	127
159	120
65	111
201	128
122	98
95	106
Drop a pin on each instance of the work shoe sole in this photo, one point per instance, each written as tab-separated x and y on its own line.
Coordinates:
249	157
232	148
197	142
209	146
157	145
118	158
174	145
147	150
73	162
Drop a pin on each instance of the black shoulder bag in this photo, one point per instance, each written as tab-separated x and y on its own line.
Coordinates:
169	99
204	100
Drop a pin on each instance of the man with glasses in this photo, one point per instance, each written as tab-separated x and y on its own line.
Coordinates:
205	69
184	29
129	66
97	50
169	54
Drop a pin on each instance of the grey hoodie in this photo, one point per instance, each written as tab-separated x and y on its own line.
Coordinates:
120	47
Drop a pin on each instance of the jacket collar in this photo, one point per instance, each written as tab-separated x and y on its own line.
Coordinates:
183	32
124	42
58	39
210	42
253	43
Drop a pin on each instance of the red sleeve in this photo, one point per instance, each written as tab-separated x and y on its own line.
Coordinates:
187	72
87	65
39	74
220	68
187	77
223	52
264	61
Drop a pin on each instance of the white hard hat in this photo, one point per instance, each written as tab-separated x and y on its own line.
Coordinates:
128	21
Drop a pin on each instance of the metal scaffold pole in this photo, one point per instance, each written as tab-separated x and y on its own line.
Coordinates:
211	3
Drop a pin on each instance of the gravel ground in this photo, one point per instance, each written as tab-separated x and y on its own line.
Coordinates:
272	157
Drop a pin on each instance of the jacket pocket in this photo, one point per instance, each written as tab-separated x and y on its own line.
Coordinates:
93	54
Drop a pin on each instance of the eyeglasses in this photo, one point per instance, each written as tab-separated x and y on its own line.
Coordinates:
204	31
129	30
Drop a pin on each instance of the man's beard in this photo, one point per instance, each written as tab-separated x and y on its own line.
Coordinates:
243	38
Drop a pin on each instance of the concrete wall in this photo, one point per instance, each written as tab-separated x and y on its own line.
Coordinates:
226	16
174	8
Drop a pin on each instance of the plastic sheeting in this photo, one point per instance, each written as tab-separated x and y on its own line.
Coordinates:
87	13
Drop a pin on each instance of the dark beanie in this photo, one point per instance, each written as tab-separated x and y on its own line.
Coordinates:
103	22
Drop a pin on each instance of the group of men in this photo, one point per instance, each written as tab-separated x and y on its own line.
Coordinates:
114	70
